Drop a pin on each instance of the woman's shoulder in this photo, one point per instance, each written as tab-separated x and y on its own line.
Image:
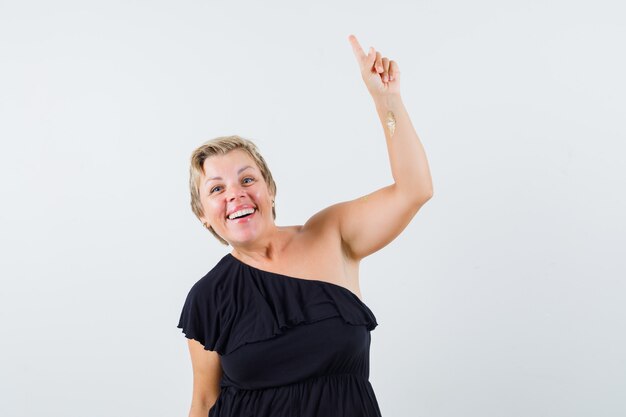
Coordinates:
323	220
212	278
322	229
317	232
318	247
323	223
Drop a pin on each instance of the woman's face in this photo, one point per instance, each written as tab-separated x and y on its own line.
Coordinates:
233	182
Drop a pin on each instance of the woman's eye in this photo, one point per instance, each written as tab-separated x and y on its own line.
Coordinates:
217	187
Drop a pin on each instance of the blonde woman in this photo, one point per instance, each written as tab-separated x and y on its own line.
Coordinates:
278	327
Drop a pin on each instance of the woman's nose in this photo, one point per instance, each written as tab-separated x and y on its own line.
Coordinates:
235	191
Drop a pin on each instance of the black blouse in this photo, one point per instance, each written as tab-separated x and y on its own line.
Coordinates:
289	347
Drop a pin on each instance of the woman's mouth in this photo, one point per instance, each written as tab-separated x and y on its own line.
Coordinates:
243	219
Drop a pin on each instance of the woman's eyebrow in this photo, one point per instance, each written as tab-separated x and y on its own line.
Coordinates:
219	178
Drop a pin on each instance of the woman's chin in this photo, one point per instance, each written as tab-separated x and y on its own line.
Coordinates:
242	236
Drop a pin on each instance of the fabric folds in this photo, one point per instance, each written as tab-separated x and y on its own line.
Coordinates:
236	304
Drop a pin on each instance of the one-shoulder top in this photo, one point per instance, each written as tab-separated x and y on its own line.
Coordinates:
289	347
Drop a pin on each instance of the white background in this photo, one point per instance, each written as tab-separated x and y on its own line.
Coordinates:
503	297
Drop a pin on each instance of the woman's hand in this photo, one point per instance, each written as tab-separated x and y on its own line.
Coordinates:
381	76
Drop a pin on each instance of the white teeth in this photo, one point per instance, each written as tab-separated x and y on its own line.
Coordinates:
240	213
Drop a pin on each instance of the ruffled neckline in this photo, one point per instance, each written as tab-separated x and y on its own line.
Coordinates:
235	304
262	271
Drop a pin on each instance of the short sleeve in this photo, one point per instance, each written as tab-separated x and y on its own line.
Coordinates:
199	319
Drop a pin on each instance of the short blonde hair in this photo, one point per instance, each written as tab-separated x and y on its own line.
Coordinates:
221	146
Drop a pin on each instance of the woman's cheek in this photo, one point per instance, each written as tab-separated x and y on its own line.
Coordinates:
214	208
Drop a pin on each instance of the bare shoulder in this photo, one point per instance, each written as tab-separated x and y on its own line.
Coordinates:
315	251
320	239
325	225
323	218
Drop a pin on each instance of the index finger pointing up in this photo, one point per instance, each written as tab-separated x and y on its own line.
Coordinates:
356	48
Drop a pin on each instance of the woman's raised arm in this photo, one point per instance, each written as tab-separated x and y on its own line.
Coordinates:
371	222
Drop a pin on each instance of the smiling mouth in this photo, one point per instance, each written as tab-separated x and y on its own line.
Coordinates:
242	217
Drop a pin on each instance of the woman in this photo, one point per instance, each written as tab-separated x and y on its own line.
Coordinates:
278	327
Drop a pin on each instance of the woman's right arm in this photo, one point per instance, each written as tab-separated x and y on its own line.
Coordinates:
207	372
